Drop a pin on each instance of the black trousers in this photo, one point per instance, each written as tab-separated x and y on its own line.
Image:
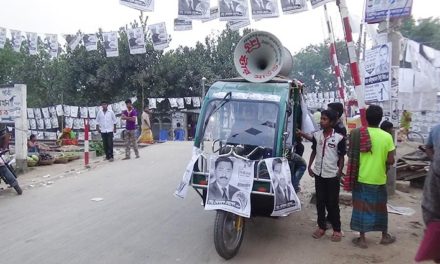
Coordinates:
107	141
327	197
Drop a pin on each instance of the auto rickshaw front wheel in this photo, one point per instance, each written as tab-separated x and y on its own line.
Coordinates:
228	233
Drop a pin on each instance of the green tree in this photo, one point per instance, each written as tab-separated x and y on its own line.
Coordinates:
425	31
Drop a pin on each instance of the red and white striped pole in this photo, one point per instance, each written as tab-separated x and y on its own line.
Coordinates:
334	57
354	66
86	142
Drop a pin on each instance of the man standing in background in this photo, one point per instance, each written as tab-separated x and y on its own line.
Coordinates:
130	116
106	125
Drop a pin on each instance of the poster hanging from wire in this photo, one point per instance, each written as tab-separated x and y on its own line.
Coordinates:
2	37
111	43
136	40
377	72
143	5
194	9
182	24
159	36
377	11
32	43
264	9
233	10
293	6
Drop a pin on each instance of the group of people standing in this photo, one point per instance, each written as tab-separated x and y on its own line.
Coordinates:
106	126
370	153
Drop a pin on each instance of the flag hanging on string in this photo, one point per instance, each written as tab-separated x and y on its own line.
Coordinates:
32	43
233	10
194	9
187	100
152	103
90	42
196	101
2	37
180	103
173	102
182	24
52	41
213	14
16	40
264	9
236	24
73	40
143	5
136	40
293	6
159	36
111	43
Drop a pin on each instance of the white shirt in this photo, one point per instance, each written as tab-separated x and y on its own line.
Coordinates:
328	151
106	121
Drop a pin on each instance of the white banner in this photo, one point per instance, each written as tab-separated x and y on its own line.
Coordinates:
152	103
182	24
136	40
33	123
187	100
182	189
74	111
45	112
230	185
54	121
180	103
83	111
194	9
47	123
32	43
264	8
285	201
213	14
318	3
173	102
159	36
92	111
111	43
66	110
40	124
236	25
90	42
52	42
73	40
377	71
59	110
233	10
2	37
16	40
377	11
293	6
196	101
30	113
143	5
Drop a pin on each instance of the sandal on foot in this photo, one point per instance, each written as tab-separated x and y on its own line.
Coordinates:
388	239
359	243
318	233
336	237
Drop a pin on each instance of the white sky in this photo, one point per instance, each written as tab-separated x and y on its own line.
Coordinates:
296	31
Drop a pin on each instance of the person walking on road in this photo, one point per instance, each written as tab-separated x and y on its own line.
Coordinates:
146	133
130	116
371	150
106	125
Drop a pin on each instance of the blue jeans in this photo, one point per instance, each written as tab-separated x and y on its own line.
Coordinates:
297	175
8	176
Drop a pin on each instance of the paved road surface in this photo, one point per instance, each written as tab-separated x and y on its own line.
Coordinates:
139	221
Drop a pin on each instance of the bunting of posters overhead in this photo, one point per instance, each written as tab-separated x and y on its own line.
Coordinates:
264	9
377	71
182	24
318	3
73	40
377	11
294	6
159	36
236	25
152	103
16	40
52	42
2	37
233	10
285	201
213	14
111	43
194	9
136	40
90	42
32	43
230	185
143	5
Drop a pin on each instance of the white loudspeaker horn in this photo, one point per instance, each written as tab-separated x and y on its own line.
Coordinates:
260	56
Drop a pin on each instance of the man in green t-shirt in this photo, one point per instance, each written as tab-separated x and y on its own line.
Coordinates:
370	192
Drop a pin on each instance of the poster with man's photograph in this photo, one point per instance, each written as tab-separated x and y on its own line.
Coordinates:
45	111
293	6
54	122
2	37
182	24
214	13
16	40
73	40
230	185
30	113
52	111
159	36
40	124
194	9
52	42
285	201
33	123
84	112
143	5
233	10
37	113
74	111
377	71
136	40
69	122
47	123
111	43
66	109
90	42
32	43
92	111
264	8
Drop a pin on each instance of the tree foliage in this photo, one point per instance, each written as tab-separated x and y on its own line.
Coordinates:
425	31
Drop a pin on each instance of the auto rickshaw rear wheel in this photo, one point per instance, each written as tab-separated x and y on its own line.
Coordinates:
228	233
